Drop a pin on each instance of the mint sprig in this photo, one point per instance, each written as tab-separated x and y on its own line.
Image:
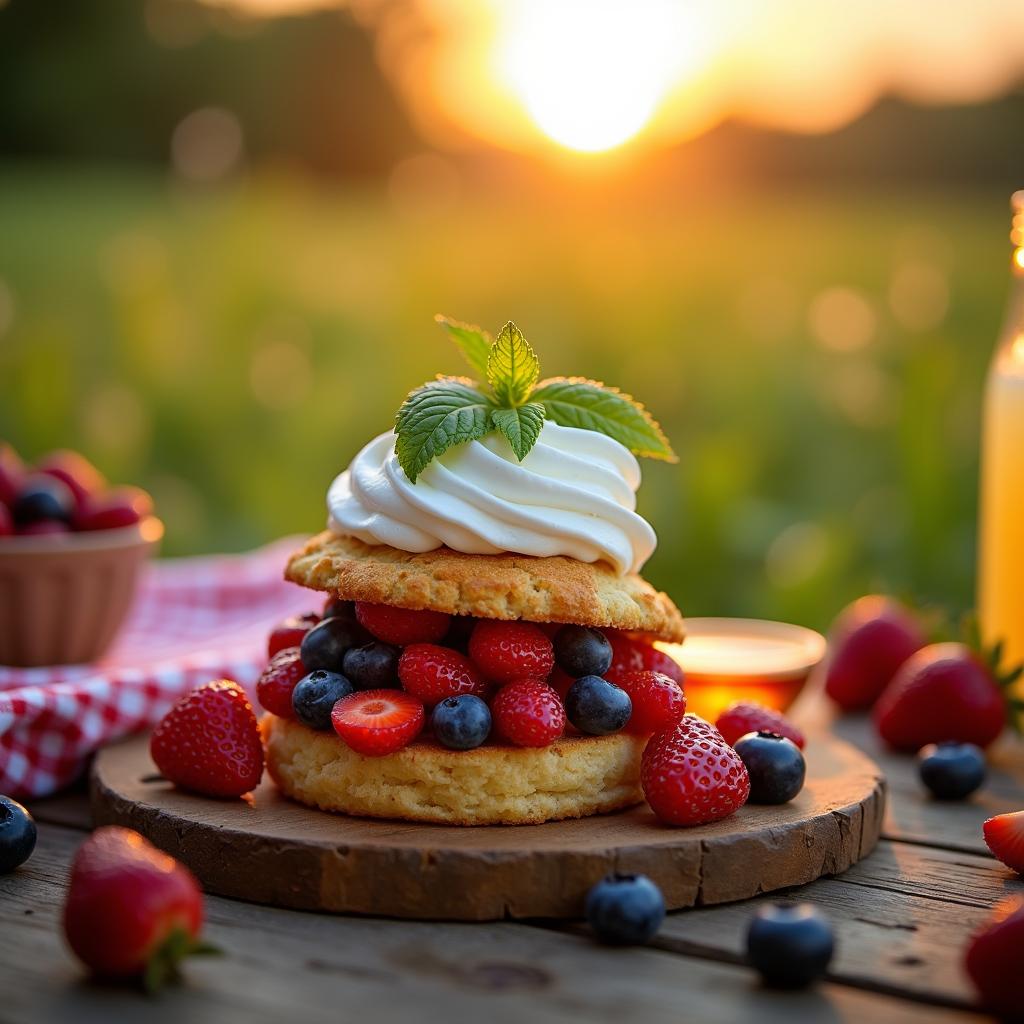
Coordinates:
590	405
453	410
521	426
512	367
443	412
473	342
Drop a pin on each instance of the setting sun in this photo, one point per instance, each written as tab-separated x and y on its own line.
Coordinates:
591	75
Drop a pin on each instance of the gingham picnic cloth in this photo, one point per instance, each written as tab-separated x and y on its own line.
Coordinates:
193	620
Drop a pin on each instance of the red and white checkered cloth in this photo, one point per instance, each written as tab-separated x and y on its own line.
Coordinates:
194	619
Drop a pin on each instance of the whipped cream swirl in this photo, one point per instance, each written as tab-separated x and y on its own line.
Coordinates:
574	494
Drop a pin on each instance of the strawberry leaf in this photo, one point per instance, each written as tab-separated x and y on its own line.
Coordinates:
473	342
437	415
521	426
164	964
512	367
590	405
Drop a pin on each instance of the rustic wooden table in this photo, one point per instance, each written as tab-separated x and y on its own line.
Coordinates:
902	917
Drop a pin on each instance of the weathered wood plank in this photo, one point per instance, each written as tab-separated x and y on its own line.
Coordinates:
912	815
902	916
283	964
70	808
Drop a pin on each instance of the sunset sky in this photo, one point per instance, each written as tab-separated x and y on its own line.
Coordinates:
594	75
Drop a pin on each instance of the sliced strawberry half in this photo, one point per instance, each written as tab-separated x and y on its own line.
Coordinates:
378	722
993	958
1004	835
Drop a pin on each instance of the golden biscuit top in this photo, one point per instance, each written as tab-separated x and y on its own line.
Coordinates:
507	586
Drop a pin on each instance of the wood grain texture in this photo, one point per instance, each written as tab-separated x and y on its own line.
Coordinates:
283	965
272	851
913	815
902	917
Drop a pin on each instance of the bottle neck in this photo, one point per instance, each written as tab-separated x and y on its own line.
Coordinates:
1011	342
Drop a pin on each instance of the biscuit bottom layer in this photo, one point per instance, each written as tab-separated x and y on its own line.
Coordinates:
491	785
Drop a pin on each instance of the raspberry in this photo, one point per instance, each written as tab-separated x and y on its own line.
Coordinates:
290	632
658	702
747	716
528	713
691	776
630	654
511	650
274	687
378	722
435	673
402	626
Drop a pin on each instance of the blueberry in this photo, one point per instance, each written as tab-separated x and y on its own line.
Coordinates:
462	722
373	666
17	835
596	706
951	771
582	651
315	695
42	498
325	645
625	910
790	945
775	765
335	608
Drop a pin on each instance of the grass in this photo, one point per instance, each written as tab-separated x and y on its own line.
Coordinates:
230	351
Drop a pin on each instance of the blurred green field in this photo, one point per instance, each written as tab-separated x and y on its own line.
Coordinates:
817	360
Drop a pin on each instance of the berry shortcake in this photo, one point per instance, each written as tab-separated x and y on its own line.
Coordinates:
486	654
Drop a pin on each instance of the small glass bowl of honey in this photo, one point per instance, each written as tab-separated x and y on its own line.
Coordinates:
727	660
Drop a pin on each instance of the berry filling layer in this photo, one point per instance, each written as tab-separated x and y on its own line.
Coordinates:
383	677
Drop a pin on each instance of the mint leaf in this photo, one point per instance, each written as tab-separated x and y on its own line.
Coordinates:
576	402
437	415
473	342
512	367
521	426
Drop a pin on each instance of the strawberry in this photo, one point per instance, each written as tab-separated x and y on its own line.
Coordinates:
131	910
289	633
123	506
278	680
748	716
76	471
209	741
402	626
378	722
691	776
511	650
631	654
658	701
868	642
943	692
435	673
993	959
1004	836
528	713
560	681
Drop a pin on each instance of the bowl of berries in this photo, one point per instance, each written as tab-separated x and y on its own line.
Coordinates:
71	548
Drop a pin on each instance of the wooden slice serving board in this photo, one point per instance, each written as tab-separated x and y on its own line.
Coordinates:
269	850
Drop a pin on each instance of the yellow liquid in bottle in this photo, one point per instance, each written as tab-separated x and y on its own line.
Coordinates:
1001	556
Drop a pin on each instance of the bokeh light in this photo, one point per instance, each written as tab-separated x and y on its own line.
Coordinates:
842	319
207	144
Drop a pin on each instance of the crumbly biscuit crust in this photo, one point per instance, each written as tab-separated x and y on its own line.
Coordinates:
506	586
